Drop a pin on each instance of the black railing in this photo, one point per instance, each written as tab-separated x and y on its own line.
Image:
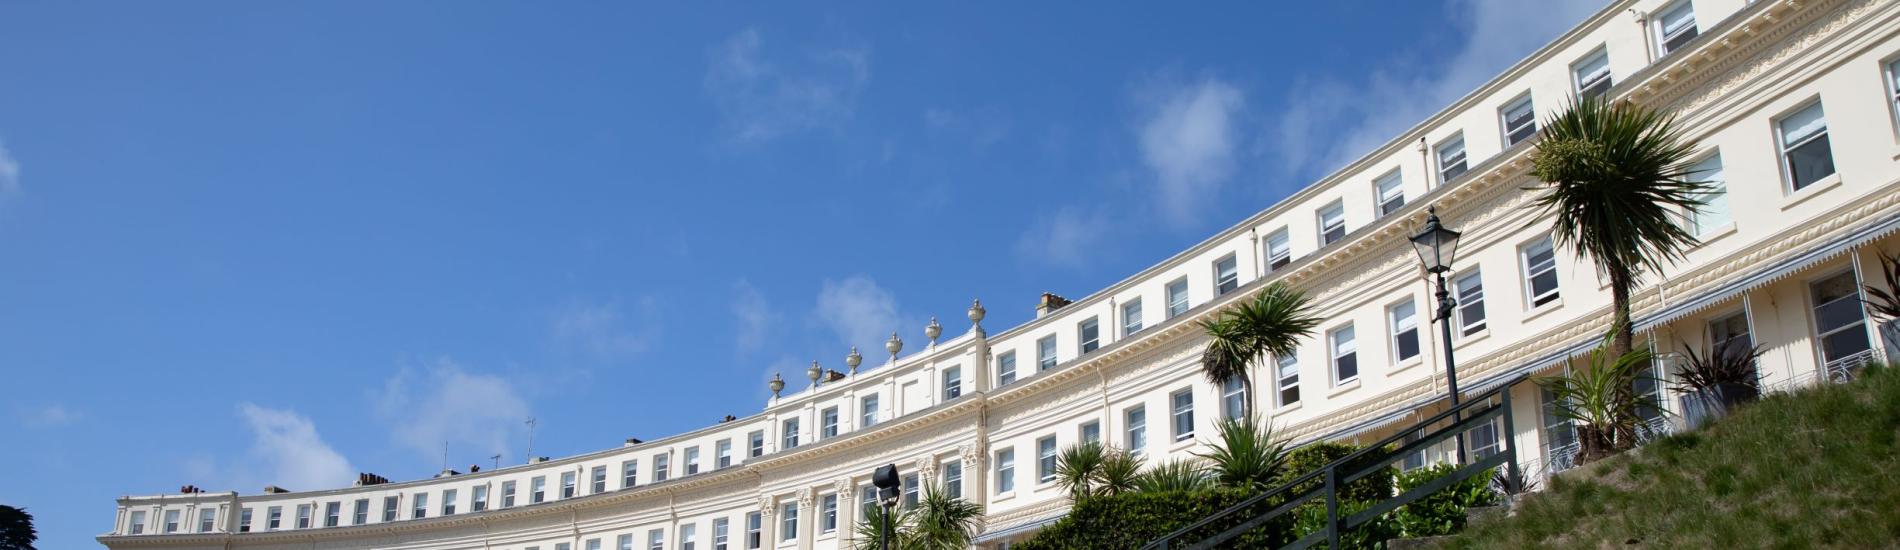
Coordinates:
1329	480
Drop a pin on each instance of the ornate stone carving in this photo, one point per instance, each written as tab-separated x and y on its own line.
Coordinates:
767	505
847	491
972	455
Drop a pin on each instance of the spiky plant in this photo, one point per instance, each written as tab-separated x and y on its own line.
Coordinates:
1885	302
1716	368
1247	455
1273	322
16	529
1602	401
1077	468
944	522
1173	475
871	533
1616	178
1119	472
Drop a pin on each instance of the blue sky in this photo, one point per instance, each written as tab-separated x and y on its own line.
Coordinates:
255	243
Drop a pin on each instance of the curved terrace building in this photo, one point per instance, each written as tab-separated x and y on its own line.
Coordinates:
1795	109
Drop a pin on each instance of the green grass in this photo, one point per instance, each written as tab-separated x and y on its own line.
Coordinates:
1815	468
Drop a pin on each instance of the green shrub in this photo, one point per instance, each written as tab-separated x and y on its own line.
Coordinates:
1130	520
1315	455
1443	512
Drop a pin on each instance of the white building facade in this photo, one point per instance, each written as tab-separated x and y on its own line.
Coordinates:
1794	106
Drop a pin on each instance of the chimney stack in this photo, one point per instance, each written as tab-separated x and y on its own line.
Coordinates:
1050	302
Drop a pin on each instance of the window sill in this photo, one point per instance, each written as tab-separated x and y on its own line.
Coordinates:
1288	409
1715	234
1005	495
1408	364
1545	309
1180	444
1796	198
1458	342
1343	387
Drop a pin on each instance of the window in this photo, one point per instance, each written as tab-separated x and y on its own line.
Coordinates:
1483	440
1131	317
689	534
912	489
1893	85
599	477
333	513
138	523
1345	355
1135	434
593	544
389	507
1332	223
1287	377
244	521
1226	275
1391	192
722	453
537	489
1005	368
828	422
1279	250
171	518
480	500
656	539
755	441
788	522
1005	470
1046	459
662	467
1540	273
1519	119
1403	321
1088	335
1592	74
1559	433
629	474
1177	297
1183	414
721	533
754	525
952	383
1714	212
692	460
1233	398
359	511
867	410
274	517
448	502
790	431
953	478
1451	159
1729	334
828	514
1806	156
1046	353
418	509
624	542
562	546
1839	320
208	519
1470	291
1091	432
867	501
1676	26
567	484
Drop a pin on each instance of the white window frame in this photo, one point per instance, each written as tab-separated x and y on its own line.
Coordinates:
1226	279
1389	191
1131	317
1046	459
1285	379
1180	305
828	513
1814	317
1528	274
788	434
952	383
1135	428
662	467
827	423
1046	356
1181	416
1336	211
569	482
1504	120
1890	71
868	410
1448	153
691	457
1005	470
1005	368
1663	36
1465	327
1397	327
1338	351
1090	431
952	472
1581	83
1279	249
1702	221
598	479
1085	341
1782	147
1233	398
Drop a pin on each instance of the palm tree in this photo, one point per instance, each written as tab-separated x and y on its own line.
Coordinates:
1119	472
16	529
1272	322
1173	475
945	522
1248	456
870	532
1616	179
1079	467
1601	400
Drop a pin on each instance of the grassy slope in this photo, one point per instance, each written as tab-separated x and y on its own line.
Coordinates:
1820	467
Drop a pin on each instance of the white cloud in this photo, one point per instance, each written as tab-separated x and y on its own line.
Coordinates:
754	314
478	415
291	451
9	173
760	98
49	416
1066	238
1331	121
604	332
861	313
1188	140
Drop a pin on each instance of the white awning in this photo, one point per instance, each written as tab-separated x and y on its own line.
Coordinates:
1812	256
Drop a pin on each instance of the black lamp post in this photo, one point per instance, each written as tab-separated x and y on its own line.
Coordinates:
887	482
1435	246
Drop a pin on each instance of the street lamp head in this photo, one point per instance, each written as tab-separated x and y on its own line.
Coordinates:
1435	244
887	483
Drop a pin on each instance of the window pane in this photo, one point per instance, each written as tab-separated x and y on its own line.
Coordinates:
1810	162
1714	211
1451	159
1802	125
1289	380
1520	121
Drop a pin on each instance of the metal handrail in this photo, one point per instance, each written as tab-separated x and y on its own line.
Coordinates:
1368	461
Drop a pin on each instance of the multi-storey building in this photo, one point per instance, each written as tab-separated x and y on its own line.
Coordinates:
1795	109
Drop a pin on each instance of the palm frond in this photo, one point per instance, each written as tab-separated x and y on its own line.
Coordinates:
1077	467
1247	455
945	522
1173	475
1886	301
1120	469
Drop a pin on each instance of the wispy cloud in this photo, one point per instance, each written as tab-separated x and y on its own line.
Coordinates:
48	416
1187	139
754	316
9	173
606	331
1066	237
1329	121
858	311
761	97
478	415
287	448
